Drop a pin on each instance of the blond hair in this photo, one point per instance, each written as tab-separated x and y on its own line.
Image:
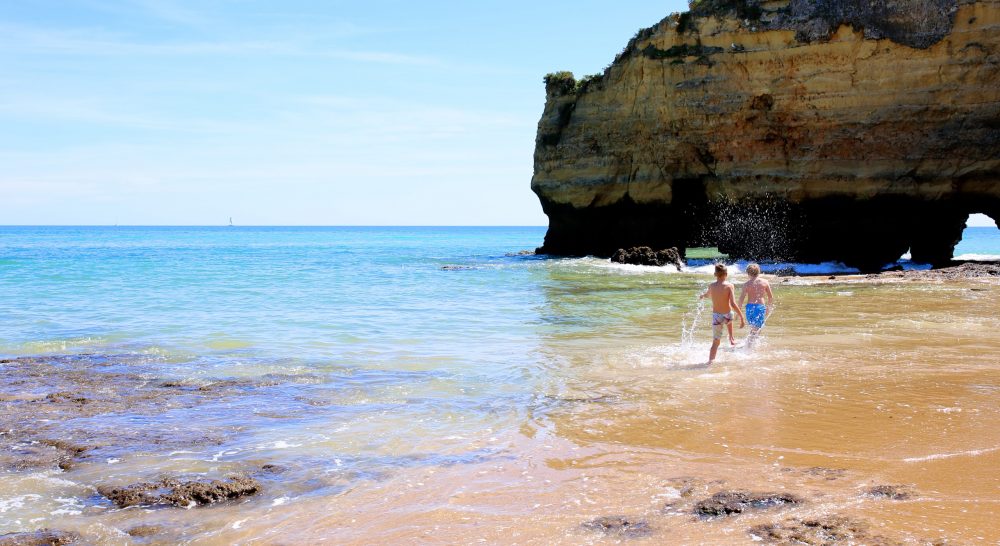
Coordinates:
753	270
721	271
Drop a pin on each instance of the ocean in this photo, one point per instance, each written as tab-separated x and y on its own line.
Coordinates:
440	385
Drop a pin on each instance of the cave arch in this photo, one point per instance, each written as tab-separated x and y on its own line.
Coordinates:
973	249
937	232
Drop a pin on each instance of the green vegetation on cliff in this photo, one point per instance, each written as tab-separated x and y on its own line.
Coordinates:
564	83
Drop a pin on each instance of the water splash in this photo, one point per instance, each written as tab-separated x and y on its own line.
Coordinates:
687	329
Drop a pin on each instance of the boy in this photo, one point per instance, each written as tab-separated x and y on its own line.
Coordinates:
754	291
723	305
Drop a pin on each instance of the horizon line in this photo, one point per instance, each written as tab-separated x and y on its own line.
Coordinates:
273	225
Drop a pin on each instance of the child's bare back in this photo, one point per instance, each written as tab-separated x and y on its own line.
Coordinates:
720	292
756	289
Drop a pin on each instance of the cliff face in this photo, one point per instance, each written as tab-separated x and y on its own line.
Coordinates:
808	130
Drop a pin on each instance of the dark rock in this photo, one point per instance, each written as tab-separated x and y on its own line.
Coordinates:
23	453
63	445
46	403
142	531
178	493
42	537
823	530
726	503
818	472
893	492
213	491
644	255
785	272
967	270
65	396
915	23
619	526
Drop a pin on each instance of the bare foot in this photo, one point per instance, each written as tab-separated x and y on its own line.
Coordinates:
732	342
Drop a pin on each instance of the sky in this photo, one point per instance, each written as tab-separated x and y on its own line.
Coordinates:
298	112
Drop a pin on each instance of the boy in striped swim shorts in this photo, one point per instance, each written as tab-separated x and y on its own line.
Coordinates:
754	291
723	304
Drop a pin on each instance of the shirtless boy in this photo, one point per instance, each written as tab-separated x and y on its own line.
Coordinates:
723	304
754	291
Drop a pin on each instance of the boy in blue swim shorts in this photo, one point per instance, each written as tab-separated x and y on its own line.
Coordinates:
754	291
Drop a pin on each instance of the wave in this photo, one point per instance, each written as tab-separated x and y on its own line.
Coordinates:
824	268
979	257
700	266
628	268
707	267
936	456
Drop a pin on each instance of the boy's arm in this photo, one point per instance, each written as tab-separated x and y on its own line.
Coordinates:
705	295
770	296
732	305
743	294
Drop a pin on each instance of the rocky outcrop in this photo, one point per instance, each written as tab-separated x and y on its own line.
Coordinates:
821	530
805	130
644	255
727	503
620	526
43	537
180	493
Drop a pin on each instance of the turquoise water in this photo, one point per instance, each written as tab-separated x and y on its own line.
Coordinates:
979	243
357	295
375	354
350	294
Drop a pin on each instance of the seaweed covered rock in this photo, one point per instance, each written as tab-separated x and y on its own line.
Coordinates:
180	493
42	537
726	503
620	526
891	492
823	530
644	255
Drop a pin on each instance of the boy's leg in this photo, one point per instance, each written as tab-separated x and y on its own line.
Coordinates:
754	320
716	336
732	341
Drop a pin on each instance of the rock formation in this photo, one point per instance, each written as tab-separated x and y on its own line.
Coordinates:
643	255
805	130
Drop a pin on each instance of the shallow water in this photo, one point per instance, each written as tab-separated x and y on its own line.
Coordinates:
420	385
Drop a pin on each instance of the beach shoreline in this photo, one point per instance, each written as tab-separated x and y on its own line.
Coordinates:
310	384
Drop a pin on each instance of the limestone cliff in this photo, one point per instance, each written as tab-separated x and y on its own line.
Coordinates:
807	130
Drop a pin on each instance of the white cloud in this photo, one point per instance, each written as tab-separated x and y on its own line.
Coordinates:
96	42
980	220
104	112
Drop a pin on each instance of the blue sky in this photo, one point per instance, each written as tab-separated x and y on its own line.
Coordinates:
293	112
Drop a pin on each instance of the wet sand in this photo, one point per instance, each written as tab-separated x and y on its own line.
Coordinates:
867	415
